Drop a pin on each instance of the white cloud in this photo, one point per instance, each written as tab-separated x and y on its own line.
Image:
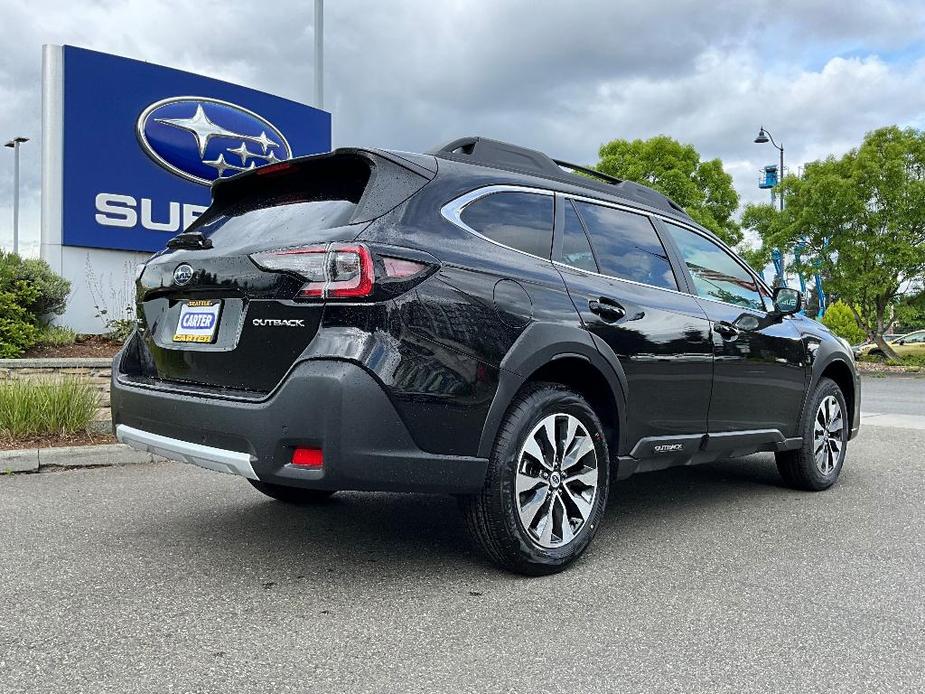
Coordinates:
562	77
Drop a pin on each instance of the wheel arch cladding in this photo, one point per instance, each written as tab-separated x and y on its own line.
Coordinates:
840	372
566	355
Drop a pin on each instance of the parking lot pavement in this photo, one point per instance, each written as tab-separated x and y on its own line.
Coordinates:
167	578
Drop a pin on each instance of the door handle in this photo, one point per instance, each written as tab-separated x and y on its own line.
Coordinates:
726	329
608	309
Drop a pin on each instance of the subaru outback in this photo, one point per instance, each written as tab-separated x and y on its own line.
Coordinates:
482	321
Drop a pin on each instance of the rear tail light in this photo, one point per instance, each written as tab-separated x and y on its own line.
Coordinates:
336	270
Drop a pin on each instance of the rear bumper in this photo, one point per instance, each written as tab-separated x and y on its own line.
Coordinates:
333	405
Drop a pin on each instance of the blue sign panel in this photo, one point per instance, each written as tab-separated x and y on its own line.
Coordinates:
142	144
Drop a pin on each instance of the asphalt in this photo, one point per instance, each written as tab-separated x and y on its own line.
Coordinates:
891	394
167	578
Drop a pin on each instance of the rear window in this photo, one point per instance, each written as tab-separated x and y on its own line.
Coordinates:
627	246
519	220
302	201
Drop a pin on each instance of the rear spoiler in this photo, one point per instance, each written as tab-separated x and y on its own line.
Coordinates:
346	173
239	184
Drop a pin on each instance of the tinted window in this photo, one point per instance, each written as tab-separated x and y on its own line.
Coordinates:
519	220
716	274
913	338
627	246
576	250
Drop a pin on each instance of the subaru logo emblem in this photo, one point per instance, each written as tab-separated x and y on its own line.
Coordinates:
202	139
183	274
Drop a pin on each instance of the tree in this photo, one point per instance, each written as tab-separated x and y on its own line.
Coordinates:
702	188
861	222
840	320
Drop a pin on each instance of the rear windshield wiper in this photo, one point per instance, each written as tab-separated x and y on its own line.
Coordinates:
190	239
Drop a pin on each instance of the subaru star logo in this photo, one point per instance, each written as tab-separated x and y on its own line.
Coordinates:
183	274
202	139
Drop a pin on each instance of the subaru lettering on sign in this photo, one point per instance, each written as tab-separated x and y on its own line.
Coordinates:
202	139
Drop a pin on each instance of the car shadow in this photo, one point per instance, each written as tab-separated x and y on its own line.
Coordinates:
381	535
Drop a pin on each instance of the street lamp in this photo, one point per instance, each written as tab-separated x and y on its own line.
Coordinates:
319	53
765	136
14	145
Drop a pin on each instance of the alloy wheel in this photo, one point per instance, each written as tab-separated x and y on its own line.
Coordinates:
557	479
828	435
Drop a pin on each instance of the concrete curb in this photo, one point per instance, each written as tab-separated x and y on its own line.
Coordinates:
57	363
34	459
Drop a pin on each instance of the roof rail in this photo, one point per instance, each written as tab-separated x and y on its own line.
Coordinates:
590	172
503	155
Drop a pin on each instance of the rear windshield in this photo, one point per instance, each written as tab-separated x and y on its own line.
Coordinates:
309	201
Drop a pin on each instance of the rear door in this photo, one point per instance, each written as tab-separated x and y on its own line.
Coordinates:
760	369
619	276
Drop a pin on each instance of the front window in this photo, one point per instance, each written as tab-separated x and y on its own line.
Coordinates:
715	272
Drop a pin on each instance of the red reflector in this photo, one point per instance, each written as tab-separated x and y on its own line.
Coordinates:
307	457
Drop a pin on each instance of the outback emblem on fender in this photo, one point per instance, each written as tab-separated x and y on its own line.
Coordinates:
202	139
183	274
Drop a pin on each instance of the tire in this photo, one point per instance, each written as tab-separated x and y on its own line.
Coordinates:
803	468
292	495
562	498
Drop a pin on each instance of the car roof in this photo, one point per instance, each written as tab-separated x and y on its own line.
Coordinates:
483	151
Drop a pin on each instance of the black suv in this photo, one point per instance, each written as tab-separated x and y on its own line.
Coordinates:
481	320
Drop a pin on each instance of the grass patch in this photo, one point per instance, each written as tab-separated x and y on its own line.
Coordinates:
46	408
56	336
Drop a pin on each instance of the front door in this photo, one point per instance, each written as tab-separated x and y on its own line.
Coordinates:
760	367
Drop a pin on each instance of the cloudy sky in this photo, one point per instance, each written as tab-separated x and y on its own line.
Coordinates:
559	76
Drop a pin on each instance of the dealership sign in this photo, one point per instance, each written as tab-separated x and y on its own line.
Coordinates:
141	143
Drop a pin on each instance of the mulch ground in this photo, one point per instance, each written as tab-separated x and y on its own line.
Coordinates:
82	439
878	368
89	346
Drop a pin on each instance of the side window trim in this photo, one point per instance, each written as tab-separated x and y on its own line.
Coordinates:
452	211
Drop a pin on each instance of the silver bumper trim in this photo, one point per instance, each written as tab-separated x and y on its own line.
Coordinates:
217	459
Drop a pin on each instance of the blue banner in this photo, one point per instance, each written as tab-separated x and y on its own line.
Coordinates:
142	143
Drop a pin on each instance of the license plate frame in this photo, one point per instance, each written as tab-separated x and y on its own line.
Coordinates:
198	321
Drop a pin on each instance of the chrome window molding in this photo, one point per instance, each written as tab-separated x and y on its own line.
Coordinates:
452	212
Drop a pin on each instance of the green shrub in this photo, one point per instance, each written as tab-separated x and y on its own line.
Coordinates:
839	319
40	408
18	330
28	290
56	336
52	288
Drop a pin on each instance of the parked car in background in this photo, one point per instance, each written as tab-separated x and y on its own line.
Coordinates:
908	345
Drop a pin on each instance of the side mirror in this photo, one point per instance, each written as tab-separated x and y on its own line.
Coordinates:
787	301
